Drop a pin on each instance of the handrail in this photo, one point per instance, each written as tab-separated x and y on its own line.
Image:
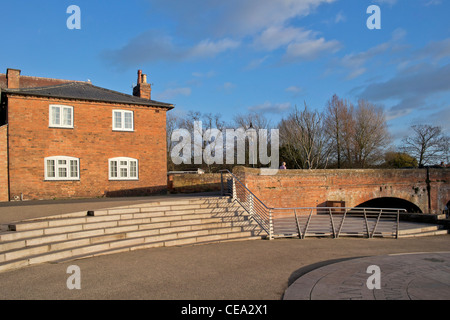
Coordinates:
254	207
265	219
228	171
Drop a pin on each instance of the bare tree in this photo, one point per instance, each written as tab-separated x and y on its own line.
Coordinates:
339	126
303	139
370	134
206	136
254	119
251	122
173	122
427	144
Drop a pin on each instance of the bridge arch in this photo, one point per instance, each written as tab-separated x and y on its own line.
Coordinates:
391	202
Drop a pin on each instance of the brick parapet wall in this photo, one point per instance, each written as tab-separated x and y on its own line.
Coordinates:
312	188
191	183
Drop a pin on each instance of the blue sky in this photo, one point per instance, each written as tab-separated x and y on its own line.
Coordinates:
235	56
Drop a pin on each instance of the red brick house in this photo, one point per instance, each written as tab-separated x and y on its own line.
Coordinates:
61	139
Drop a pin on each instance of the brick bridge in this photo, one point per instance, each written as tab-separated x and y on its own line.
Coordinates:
417	190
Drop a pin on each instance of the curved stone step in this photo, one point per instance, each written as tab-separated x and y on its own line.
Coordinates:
105	231
14	240
81	249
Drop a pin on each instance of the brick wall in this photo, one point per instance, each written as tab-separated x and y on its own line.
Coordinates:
92	141
189	183
3	163
312	188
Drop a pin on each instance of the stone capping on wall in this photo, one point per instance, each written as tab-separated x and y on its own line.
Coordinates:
427	189
193	182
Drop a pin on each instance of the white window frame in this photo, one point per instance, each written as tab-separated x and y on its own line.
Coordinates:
122	113
60	122
123	168
61	165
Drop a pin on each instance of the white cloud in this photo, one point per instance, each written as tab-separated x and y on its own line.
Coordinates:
294	89
206	29
311	49
234	18
412	88
229	85
153	45
435	50
298	42
340	17
277	36
355	63
208	48
269	107
433	2
173	92
256	63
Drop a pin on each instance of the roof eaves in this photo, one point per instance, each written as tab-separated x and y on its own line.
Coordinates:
135	100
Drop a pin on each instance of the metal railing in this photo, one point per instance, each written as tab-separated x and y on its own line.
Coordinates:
312	221
240	193
336	221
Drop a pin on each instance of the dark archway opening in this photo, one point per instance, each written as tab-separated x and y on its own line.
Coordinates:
388	202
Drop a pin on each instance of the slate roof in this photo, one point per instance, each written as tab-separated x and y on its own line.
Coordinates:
86	91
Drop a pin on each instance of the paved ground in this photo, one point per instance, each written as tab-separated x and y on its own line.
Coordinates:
245	270
255	270
419	276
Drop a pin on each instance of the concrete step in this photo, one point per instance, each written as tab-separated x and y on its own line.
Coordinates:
80	249
10	240
424	234
188	221
321	226
76	228
39	238
420	229
122	214
176	232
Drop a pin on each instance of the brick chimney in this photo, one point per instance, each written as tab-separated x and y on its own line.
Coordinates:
12	78
142	89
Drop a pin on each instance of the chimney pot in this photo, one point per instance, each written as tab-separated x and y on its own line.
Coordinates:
139	76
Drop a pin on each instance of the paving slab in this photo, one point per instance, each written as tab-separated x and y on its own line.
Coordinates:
412	276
